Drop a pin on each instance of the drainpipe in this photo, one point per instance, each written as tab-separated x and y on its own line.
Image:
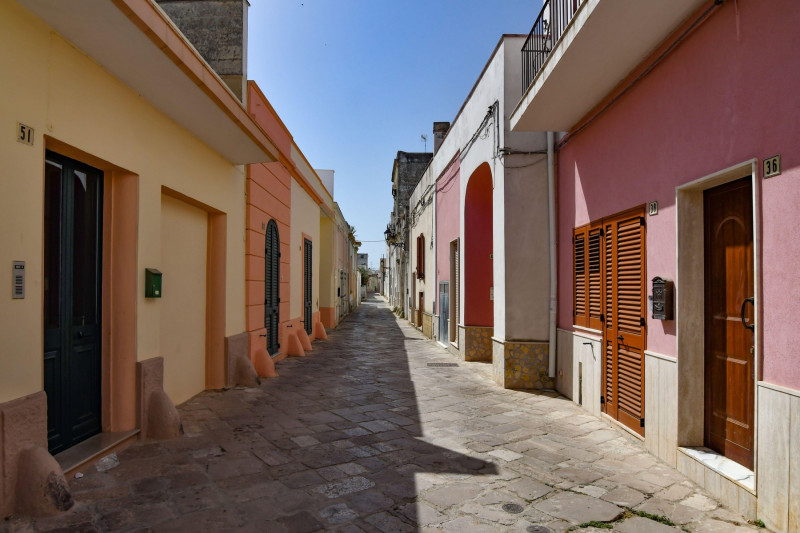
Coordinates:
551	225
435	243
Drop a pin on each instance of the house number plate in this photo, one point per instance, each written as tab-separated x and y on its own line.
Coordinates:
24	134
772	166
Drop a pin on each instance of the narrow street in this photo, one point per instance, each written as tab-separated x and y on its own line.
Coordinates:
379	429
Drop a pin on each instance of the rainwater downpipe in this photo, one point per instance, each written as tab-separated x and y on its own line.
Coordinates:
433	245
551	228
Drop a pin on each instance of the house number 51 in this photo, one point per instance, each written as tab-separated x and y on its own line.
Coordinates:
24	134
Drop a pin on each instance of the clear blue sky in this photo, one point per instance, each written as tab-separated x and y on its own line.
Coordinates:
357	80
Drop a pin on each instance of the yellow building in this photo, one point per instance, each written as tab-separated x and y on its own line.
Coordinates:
129	161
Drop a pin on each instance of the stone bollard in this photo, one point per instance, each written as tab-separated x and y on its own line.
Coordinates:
305	341
319	331
293	346
41	487
163	419
265	366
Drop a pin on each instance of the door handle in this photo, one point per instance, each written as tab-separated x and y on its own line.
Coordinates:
751	327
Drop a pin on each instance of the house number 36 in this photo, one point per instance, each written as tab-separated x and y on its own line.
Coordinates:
25	134
772	166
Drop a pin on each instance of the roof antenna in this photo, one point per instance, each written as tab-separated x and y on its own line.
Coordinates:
424	139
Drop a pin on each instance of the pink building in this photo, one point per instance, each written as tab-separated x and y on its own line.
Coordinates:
677	164
448	229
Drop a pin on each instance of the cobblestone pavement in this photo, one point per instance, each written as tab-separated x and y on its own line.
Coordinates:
365	435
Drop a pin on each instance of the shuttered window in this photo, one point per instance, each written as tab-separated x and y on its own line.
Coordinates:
609	296
579	262
588	272
421	257
307	285
272	300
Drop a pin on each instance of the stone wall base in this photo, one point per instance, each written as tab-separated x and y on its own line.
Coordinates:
477	343
521	365
157	416
427	325
31	481
240	370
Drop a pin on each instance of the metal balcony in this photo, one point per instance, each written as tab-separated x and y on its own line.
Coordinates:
553	19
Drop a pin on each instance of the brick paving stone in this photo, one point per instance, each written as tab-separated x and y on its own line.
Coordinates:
624	496
362	436
638	524
529	489
302	522
506	455
579	508
678	513
593	490
389	523
345	487
338	514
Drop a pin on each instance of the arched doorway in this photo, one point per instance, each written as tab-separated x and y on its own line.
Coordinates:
272	278
478	266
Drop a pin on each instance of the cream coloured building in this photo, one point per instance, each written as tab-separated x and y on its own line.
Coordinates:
128	162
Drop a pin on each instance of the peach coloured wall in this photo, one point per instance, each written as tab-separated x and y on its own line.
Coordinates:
264	114
268	198
724	96
447	217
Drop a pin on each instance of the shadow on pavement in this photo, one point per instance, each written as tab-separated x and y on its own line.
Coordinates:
334	443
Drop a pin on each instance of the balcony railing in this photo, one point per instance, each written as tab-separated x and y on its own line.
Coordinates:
551	23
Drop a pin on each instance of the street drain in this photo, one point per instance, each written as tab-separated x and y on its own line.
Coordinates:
512	508
538	529
442	364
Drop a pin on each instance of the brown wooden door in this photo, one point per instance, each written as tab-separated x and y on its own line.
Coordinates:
729	369
420	308
623	291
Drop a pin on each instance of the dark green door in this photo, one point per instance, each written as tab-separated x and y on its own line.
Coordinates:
272	276
72	295
308	265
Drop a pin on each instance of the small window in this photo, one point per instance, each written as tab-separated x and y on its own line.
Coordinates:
421	257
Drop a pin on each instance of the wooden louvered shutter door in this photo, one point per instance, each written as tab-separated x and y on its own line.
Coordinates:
579	277
624	338
594	277
609	405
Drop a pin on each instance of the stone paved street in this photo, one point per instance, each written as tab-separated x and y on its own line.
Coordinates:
364	435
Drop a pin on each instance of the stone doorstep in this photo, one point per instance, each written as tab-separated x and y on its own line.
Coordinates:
93	449
727	468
